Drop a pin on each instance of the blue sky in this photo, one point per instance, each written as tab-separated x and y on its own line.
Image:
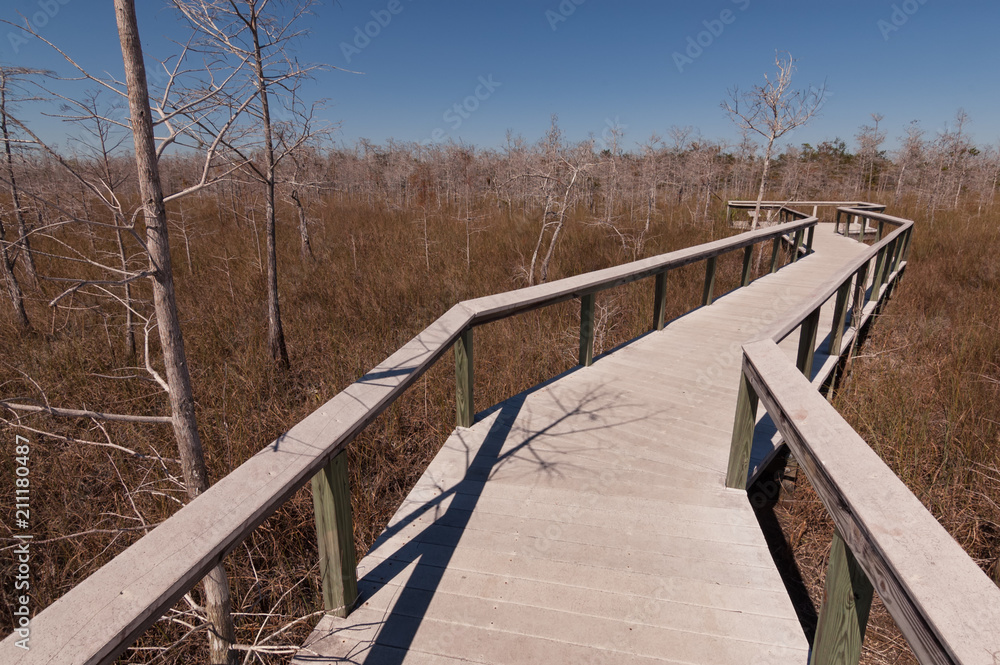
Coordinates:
646	65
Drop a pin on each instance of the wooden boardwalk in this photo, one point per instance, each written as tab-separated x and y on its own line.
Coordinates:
587	520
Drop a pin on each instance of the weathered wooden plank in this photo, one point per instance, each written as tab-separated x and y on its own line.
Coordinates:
335	536
843	617
465	409
687	613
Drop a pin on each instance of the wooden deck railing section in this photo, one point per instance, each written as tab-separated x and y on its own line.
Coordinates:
944	604
102	616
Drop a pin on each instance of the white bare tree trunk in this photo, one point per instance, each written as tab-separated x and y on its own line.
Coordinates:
216	586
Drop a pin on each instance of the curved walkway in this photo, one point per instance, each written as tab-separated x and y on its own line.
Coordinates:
587	520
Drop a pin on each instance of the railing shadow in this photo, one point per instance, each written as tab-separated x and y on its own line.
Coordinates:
450	511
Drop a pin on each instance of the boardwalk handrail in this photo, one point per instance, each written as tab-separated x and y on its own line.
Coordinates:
945	605
103	615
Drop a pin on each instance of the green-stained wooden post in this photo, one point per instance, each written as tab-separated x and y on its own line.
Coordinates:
775	254
836	222
839	317
898	256
739	451
807	343
660	301
747	264
909	239
798	243
877	276
843	618
861	292
890	263
335	535
890	253
464	403
708	295
809	239
587	329
881	230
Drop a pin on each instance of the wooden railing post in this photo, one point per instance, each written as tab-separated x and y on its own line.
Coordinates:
587	329
747	265
335	536
897	257
464	403
739	451
660	301
881	230
909	239
809	239
807	343
775	254
861	292
877	276
798	243
839	317
709	293
843	617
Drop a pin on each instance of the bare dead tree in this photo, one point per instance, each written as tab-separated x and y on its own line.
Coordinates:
9	79
10	277
869	139
260	34
772	110
107	135
216	584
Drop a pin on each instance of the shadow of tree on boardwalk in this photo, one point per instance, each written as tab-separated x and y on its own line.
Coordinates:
451	509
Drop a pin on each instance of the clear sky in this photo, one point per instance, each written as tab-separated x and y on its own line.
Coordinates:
647	65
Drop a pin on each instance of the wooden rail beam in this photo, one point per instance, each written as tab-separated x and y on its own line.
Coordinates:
942	601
